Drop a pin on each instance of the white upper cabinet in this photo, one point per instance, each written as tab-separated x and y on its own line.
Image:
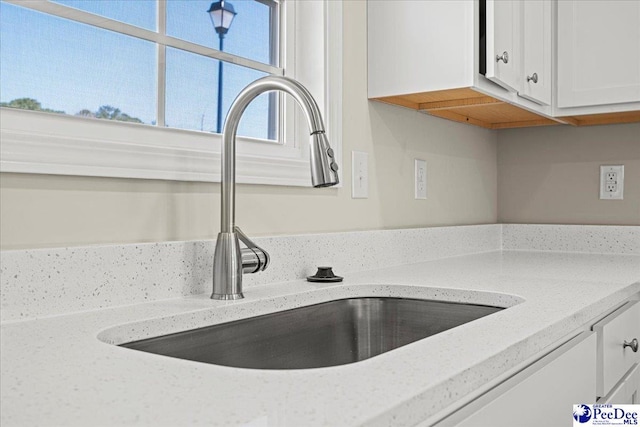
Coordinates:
508	63
419	46
598	52
536	51
519	54
431	56
504	53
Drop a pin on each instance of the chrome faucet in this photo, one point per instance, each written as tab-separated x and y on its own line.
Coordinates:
229	261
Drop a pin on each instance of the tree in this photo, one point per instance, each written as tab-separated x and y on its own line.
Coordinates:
28	104
112	113
104	112
108	112
85	113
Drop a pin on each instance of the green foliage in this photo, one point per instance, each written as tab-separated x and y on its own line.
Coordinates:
112	113
85	113
104	112
28	104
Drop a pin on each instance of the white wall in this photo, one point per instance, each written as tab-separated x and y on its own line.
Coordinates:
45	211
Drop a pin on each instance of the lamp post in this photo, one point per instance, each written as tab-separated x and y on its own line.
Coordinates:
222	14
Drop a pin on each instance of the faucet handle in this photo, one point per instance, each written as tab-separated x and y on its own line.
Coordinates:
254	258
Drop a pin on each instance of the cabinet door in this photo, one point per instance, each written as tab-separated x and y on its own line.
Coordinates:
503	43
598	52
555	383
536	51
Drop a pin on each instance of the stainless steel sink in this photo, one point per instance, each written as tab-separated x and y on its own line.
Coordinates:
327	334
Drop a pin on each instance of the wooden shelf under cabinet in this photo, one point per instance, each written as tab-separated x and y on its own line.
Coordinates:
603	119
466	105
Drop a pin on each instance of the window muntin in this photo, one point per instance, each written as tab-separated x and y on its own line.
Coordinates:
139	13
194	105
179	78
253	32
84	82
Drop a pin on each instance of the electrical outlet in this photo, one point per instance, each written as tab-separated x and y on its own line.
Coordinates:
359	175
612	182
420	179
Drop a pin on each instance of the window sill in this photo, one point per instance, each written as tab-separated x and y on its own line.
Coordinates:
36	142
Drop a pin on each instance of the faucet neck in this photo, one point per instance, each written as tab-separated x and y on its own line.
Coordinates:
229	261
248	94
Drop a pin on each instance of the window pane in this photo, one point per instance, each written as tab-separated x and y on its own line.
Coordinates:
57	65
139	13
192	92
252	33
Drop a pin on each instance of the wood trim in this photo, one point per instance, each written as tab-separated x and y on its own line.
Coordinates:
458	103
603	119
524	124
398	100
568	121
466	105
450	115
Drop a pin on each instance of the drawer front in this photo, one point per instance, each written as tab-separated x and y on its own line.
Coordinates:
626	392
614	360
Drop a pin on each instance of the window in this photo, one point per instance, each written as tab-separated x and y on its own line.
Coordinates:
151	69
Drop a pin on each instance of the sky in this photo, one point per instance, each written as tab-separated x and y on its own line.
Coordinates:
70	66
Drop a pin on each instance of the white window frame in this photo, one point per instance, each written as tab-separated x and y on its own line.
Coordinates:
46	143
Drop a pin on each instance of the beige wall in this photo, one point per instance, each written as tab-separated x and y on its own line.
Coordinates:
539	175
41	211
551	174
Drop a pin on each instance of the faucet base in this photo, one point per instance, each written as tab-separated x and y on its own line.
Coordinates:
227	296
227	268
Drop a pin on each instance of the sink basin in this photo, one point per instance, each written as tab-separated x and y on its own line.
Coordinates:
321	335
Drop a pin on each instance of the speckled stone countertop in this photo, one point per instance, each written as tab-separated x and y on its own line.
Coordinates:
66	370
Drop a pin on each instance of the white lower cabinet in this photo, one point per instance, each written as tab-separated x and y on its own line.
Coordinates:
615	360
627	391
555	383
597	366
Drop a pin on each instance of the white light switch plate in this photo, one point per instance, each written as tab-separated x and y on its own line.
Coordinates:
612	182
359	175
420	179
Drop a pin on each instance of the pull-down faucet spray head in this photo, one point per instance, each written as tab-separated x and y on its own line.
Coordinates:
324	169
229	261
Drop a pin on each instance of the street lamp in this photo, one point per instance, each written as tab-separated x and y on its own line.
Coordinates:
222	14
